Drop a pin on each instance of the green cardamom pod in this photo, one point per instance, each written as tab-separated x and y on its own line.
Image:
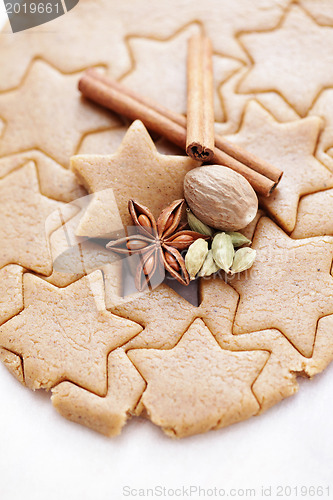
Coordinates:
244	259
209	267
223	251
196	224
195	257
238	239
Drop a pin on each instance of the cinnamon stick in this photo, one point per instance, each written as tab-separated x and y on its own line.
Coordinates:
114	96
200	99
110	97
233	150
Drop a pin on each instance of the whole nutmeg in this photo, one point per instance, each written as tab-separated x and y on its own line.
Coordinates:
220	197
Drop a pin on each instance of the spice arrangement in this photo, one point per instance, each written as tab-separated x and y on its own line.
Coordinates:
160	247
219	197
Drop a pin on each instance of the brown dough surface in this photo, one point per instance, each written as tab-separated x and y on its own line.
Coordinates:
65	325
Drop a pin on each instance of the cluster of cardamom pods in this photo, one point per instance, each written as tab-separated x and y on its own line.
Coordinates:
225	252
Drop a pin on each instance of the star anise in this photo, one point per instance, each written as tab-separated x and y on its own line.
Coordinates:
158	243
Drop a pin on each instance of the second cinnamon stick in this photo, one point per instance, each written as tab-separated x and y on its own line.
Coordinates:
111	95
233	150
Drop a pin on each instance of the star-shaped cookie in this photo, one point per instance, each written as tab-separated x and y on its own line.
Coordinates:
34	114
106	414
289	286
172	54
282	59
137	171
23	213
289	146
66	334
197	386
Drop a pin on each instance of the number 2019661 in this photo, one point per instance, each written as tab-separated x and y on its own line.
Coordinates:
31	8
299	491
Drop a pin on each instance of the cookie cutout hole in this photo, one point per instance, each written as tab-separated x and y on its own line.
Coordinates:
2	126
189	293
129	287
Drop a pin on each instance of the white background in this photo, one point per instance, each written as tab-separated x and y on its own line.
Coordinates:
45	457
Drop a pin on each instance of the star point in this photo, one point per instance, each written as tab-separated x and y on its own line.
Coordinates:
282	58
